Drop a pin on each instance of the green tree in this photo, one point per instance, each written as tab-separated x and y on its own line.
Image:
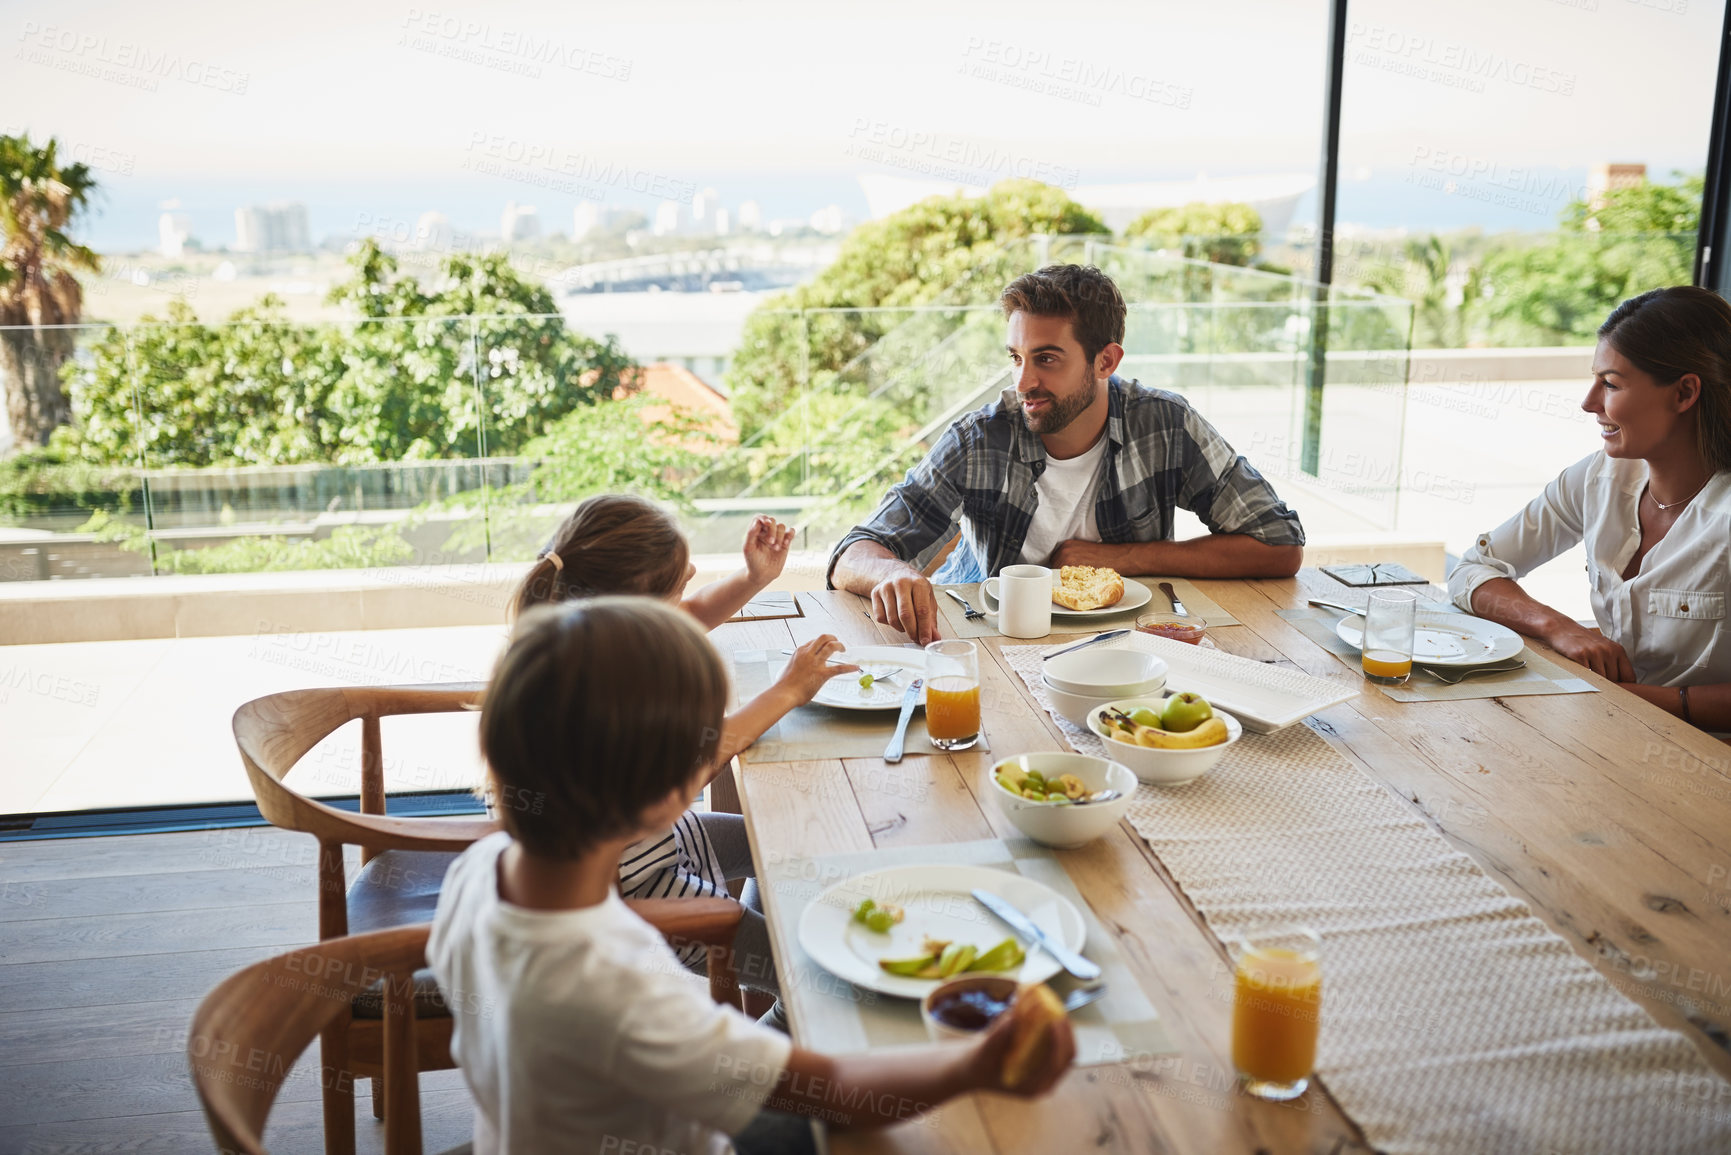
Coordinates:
948	250
1225	234
1444	313
1561	290
39	199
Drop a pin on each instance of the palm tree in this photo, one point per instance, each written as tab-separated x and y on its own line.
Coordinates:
39	295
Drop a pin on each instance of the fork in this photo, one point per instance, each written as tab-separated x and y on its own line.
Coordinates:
893	674
969	613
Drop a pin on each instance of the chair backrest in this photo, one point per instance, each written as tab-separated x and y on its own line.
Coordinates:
276	731
248	1032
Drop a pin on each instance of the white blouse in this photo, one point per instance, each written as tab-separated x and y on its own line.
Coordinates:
1670	617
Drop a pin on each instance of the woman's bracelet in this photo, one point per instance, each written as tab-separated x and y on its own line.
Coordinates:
1683	704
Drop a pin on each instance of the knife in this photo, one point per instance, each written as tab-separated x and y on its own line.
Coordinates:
1105	637
910	699
1024	926
1172	596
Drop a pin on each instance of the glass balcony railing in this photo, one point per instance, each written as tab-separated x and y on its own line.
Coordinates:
261	445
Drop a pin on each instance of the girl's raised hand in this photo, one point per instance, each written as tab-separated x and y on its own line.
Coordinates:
766	546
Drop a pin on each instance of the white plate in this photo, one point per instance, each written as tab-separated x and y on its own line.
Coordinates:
938	905
1136	595
843	692
1446	639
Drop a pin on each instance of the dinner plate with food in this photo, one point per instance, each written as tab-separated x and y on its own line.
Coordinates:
879	684
1085	591
902	930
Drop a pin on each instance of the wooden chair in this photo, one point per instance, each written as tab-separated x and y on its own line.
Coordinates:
248	1031
403	860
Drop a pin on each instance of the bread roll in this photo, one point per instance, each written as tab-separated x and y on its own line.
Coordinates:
1033	1017
1086	587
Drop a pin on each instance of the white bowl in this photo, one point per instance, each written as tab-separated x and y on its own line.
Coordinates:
1001	987
1053	823
1103	672
1162	767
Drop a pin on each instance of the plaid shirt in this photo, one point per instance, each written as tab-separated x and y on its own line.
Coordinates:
1160	454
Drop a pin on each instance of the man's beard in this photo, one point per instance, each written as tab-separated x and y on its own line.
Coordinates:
1058	414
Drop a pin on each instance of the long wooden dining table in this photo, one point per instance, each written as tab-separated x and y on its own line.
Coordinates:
1610	818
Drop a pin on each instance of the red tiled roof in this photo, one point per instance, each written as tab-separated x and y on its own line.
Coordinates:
680	388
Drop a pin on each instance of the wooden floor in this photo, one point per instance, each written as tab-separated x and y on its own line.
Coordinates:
106	946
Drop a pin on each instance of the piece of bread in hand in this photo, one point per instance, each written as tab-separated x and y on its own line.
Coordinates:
1034	1017
1086	587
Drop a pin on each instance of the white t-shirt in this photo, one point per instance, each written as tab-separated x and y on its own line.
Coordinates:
576	1029
1669	617
1064	503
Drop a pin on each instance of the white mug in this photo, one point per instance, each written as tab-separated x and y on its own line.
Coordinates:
1025	601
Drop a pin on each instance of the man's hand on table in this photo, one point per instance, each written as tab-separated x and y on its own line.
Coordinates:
907	602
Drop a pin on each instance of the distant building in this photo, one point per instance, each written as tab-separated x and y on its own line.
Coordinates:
668	215
273	228
722	223
173	231
703	205
585	220
1610	178
829	220
750	217
676	389
433	233
520	223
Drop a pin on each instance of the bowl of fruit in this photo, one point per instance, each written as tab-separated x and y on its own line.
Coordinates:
1062	800
1166	741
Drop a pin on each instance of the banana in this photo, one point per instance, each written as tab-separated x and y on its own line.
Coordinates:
1210	733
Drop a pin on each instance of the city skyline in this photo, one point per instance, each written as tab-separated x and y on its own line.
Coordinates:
398	110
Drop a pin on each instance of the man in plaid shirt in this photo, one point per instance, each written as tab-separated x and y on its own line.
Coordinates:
1073	466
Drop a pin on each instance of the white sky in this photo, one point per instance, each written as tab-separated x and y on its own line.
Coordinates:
332	89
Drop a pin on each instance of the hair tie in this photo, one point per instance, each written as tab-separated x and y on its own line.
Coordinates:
558	562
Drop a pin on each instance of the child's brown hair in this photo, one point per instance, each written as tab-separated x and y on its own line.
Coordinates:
612	544
596	711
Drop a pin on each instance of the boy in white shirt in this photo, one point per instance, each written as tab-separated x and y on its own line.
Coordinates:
576	1027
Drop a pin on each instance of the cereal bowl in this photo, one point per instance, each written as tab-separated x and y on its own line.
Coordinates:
1064	824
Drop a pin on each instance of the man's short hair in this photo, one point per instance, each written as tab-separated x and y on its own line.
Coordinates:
1080	294
596	711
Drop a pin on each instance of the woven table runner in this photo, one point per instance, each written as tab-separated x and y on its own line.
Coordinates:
812	733
833	1015
1539	676
1453	1019
956	623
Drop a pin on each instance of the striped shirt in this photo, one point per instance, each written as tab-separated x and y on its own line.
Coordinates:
679	864
980	479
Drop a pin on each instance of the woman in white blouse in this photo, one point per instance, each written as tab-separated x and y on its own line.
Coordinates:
1654	509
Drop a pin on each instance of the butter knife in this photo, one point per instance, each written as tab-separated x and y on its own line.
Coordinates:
1029	930
1109	635
910	699
1172	596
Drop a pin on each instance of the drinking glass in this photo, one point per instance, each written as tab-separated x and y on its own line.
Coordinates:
1388	629
1276	1008
952	695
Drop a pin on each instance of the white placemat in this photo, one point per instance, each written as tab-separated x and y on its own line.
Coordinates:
1453	1019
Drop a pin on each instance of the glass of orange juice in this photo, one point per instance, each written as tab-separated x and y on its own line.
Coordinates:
1276	1009
1388	630
952	695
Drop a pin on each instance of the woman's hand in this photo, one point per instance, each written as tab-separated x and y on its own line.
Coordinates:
766	546
810	668
1593	650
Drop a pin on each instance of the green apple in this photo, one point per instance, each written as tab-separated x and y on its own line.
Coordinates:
1144	716
1184	712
